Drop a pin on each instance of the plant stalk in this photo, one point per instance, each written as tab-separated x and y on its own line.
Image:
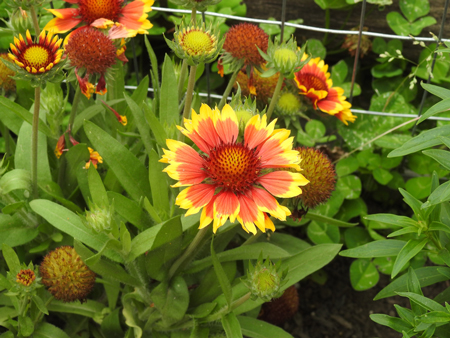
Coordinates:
238	302
189	253
182	78
228	89
76	101
34	142
189	92
34	18
275	97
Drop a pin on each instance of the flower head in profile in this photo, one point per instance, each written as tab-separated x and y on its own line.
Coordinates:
102	14
313	81
66	276
93	53
241	49
231	179
38	61
7	84
351	43
195	43
94	158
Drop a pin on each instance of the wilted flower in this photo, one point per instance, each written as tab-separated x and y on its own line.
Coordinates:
102	14
319	170
120	118
66	276
261	87
60	146
94	158
195	43
94	53
235	180
241	49
351	43
36	61
313	81
7	84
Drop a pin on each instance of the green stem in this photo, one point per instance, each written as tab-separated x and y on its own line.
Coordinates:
194	16
238	302
41	314
34	18
34	142
228	89
275	96
182	78
76	101
189	253
189	92
252	239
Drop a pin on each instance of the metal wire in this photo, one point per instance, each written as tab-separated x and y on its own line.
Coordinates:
309	28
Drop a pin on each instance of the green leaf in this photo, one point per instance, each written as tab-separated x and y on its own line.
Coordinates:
128	209
363	274
419	187
427	139
39	303
255	328
90	308
435	317
70	223
398	23
14	180
46	330
382	248
26	326
158	184
331	4
157	129
315	48
416	27
439	107
355	237
231	326
171	300
320	233
106	268
97	189
347	166
315	129
222	277
11	259
384	264
240	253
87	114
382	176
441	156
441	194
436	90
141	124
168	112
401	221
146	240
411	249
339	73
423	301
117	87
394	323
111	327
332	221
14	232
426	275
130	172
414	9
349	186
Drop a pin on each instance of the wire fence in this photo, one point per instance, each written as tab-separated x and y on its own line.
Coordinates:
334	31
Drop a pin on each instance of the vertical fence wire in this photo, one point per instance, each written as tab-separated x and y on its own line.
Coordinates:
358	49
425	93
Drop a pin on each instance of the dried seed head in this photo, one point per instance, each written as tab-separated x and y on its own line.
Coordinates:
66	276
280	310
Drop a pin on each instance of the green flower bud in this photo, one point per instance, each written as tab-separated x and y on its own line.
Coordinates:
98	218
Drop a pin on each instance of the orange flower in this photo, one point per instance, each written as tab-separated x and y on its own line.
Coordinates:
102	14
94	158
60	146
235	180
313	81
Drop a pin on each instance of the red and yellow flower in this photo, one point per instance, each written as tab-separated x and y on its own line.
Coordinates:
94	158
313	81
36	57
230	179
102	14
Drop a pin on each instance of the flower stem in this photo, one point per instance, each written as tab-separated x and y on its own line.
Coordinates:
182	78
194	16
189	253
34	18
275	96
228	89
189	92
73	112
34	142
238	302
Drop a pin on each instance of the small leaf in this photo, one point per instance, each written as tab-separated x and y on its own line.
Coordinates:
423	301
382	176
347	166
320	233
382	248
97	189
255	328
231	326
363	274
394	323
315	129
411	249
221	276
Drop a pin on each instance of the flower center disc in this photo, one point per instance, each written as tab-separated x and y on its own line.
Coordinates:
196	42
234	167
92	10
36	56
312	81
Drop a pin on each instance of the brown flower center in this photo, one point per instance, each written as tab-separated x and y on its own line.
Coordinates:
91	10
233	166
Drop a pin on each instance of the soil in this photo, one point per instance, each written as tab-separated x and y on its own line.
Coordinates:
335	309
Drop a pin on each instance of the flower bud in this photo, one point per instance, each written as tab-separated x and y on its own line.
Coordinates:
289	104
25	277
66	276
98	218
264	280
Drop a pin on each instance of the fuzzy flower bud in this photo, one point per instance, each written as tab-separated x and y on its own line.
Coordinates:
196	44
289	104
66	276
98	218
265	280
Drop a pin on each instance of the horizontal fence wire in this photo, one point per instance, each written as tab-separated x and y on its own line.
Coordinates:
357	111
305	27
